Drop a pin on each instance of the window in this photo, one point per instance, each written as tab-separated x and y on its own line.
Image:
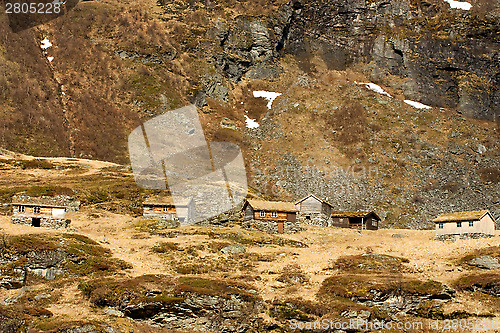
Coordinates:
36	210
262	213
374	223
441	225
20	209
471	223
165	209
459	224
274	214
308	217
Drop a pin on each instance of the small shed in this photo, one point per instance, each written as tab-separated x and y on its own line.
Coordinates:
314	210
163	207
472	224
42	211
271	216
363	220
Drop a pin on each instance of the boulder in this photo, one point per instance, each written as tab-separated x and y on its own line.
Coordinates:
233	249
486	262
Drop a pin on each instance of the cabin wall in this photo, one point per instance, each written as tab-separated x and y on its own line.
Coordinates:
310	205
29	211
249	214
340	222
282	216
158	212
485	226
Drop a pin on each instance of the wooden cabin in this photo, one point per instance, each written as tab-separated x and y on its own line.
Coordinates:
42	211
271	216
473	224
163	207
314	210
362	220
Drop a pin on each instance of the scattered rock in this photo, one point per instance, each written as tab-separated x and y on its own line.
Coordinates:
42	295
233	249
398	236
113	312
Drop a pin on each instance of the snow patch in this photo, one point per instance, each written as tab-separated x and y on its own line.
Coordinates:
459	4
251	123
50	59
417	104
45	44
269	95
374	87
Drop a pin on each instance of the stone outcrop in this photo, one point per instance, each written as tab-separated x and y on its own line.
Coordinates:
486	262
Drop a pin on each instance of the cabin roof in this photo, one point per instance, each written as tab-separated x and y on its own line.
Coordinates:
272	205
461	216
314	196
42	201
359	213
163	200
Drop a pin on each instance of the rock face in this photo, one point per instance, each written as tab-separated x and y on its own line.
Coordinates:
200	304
486	262
446	57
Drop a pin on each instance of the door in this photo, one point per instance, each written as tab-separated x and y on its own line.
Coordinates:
35	222
280	227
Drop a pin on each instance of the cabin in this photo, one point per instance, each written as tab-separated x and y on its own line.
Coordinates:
473	224
271	216
164	208
362	220
43	211
314	210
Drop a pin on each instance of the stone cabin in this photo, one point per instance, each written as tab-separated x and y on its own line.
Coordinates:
472	224
362	220
314	210
43	211
271	216
164	208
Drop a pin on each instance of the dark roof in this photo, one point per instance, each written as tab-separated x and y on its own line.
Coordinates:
359	213
280	206
316	197
462	216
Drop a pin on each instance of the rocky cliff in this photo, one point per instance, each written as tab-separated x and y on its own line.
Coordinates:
115	65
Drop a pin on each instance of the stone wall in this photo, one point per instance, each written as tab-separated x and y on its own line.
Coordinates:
318	219
45	222
272	226
454	237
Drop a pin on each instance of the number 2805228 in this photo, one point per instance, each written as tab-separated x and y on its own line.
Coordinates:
33	8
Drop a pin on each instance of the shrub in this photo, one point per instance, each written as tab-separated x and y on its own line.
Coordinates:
165	247
36	164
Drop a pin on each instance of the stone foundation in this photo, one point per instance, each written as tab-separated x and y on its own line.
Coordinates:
45	222
454	237
317	219
272	226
